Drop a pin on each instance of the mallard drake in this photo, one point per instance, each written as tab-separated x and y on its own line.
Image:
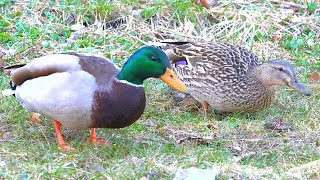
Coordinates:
230	78
82	91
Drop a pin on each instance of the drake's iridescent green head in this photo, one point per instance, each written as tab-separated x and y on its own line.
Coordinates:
149	62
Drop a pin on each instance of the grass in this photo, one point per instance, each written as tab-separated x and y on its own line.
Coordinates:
168	136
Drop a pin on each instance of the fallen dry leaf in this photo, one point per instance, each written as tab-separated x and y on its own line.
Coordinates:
205	3
211	126
314	76
18	60
36	118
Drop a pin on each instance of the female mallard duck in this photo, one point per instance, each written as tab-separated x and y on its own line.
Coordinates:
229	78
85	91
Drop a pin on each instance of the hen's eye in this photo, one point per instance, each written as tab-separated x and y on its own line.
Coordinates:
280	69
153	58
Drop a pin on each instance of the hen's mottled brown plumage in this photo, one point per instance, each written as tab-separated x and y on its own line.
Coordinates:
228	77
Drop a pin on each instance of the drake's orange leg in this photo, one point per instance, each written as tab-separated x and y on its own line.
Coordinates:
206	107
94	140
62	144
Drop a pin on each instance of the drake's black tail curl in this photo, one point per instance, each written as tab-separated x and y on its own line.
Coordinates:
12	86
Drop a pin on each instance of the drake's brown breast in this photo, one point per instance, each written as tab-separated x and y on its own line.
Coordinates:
117	107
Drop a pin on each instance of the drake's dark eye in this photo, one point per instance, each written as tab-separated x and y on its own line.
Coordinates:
280	69
153	58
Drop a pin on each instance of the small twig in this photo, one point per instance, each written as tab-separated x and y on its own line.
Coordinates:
74	36
44	135
198	139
